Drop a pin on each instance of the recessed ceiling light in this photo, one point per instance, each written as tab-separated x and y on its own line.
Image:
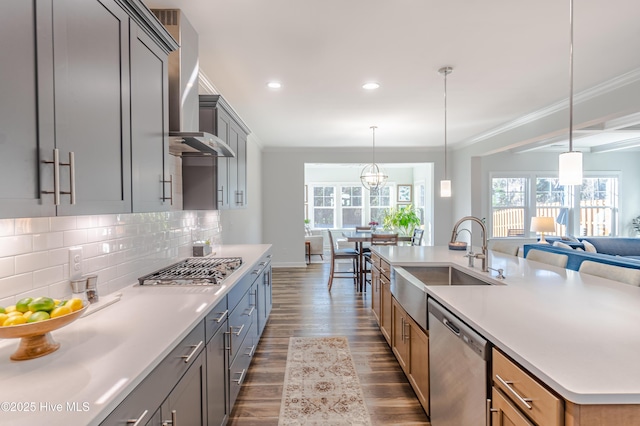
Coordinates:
370	86
274	85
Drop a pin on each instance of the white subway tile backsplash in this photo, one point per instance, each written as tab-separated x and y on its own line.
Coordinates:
119	248
31	262
31	225
13	246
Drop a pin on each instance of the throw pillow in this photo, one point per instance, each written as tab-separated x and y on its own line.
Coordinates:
572	239
588	247
561	245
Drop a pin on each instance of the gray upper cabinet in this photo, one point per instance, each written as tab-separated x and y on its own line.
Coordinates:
75	108
217	117
152	185
22	139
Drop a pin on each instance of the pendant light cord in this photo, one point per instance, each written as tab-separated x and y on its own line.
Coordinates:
570	75
373	154
445	124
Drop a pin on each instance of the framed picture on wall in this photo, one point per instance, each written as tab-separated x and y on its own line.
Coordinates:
404	193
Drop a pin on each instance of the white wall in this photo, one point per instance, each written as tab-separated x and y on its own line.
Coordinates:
282	185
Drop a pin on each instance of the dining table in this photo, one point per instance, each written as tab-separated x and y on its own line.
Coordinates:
361	237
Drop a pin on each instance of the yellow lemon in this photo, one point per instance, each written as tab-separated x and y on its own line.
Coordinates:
60	311
75	304
27	314
16	320
10	309
3	318
14	314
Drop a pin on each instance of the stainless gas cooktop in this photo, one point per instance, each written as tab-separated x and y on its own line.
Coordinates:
194	271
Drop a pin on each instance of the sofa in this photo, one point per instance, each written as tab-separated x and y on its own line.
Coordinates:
623	252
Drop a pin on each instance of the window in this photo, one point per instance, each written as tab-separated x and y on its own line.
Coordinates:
324	207
508	206
587	210
352	206
379	202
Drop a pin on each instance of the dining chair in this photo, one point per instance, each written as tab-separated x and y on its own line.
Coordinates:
611	272
554	259
505	247
342	254
416	238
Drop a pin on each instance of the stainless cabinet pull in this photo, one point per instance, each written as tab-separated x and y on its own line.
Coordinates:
490	412
173	420
402	334
253	308
56	177
405	323
262	263
170	197
256	272
136	422
507	384
72	178
230	347
237	333
221	200
187	358
251	351
221	317
242	373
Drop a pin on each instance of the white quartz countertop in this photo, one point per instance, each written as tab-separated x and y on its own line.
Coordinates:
577	333
105	355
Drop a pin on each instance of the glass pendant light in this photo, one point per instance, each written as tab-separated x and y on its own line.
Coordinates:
373	176
445	185
570	163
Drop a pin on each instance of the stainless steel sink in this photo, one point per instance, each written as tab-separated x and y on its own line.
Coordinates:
442	275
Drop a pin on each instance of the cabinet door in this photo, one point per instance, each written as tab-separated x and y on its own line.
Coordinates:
504	413
217	397
400	336
186	404
375	293
264	298
419	362
241	154
92	116
149	145
232	165
224	130
385	308
26	110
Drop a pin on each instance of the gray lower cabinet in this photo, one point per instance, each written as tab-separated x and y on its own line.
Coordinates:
264	294
186	404
216	330
152	186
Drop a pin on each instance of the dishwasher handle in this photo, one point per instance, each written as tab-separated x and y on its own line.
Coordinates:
451	326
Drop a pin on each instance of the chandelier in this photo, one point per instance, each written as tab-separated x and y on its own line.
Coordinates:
373	176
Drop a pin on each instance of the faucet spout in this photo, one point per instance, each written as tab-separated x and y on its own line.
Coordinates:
482	256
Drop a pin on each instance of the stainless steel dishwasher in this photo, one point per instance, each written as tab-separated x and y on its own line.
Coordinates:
458	362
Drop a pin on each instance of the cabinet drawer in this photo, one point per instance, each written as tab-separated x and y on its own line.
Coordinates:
505	412
239	289
385	268
145	399
240	366
215	319
375	260
240	320
543	408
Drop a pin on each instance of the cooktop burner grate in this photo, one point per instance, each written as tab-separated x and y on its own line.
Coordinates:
194	271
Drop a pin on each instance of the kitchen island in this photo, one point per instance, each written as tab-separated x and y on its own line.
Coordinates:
575	333
106	354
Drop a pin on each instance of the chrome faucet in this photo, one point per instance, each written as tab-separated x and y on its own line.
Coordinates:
471	255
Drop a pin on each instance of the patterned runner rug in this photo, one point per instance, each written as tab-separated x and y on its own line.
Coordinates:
320	384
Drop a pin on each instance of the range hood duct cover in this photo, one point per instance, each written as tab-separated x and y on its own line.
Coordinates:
184	132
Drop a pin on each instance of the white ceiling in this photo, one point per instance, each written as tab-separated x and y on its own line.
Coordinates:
509	58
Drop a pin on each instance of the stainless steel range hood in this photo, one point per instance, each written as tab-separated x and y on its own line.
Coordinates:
184	133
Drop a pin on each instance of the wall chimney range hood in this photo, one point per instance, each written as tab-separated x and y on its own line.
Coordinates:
184	133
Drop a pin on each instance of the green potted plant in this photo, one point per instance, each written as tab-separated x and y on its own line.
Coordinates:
403	219
635	223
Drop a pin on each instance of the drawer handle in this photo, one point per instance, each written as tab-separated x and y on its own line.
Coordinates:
253	308
251	351
136	422
221	317
490	412
256	272
237	333
173	420
242	373
507	384
187	358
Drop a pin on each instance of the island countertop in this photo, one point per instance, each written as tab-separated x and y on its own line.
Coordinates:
105	355
577	333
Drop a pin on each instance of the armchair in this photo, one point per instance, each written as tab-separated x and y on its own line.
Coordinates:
314	246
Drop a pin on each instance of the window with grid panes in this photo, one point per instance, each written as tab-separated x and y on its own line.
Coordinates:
323	207
508	206
379	203
352	206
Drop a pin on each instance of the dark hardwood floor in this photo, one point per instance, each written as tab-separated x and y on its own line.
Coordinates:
302	306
